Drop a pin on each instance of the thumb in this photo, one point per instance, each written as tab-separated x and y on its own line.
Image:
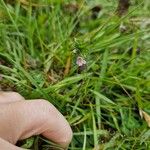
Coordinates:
34	117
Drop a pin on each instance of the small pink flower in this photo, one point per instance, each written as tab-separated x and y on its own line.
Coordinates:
80	61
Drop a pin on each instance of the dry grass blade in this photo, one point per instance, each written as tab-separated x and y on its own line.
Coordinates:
68	65
146	116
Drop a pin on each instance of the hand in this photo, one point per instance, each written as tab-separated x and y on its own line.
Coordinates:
20	119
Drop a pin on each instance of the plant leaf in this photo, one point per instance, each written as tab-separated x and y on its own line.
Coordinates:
102	97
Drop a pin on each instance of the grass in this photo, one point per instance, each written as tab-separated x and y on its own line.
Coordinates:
102	101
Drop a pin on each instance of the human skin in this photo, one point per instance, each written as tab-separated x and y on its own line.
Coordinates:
20	119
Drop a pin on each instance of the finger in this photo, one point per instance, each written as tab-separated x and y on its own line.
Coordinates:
33	118
7	97
4	145
45	119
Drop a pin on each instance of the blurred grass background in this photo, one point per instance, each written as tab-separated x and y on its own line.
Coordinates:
40	43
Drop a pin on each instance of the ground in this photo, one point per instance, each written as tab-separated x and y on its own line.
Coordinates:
87	59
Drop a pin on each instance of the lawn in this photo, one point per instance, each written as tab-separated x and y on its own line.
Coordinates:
90	62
